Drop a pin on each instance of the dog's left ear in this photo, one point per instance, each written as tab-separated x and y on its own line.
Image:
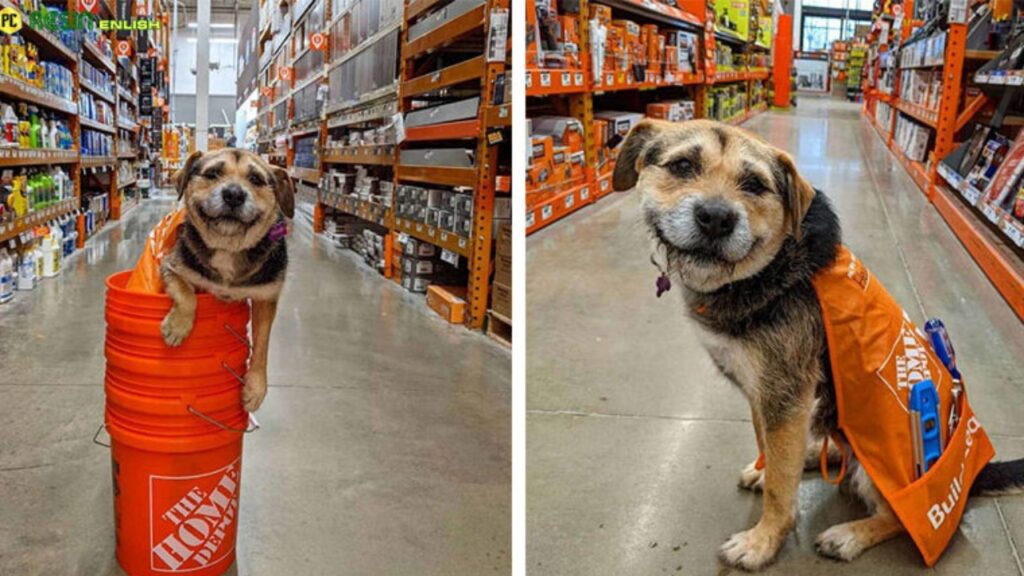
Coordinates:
182	176
284	190
634	149
797	192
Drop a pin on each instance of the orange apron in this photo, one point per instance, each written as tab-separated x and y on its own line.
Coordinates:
877	354
146	275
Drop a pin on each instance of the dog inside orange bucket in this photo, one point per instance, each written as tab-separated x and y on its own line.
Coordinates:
176	424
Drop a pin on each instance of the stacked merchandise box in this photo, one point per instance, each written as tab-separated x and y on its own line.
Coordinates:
501	299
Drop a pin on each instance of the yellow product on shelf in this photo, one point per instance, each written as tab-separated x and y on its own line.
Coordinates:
764	31
733	16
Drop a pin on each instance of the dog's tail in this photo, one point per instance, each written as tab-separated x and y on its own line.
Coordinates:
999	478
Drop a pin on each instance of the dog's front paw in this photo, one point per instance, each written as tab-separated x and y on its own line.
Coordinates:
751	478
254	391
176	327
751	550
839	542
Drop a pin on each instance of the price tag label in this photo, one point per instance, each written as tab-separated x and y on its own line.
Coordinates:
545	79
991	213
529	219
579	78
1015	234
529	79
497	36
566	79
604	185
569	201
545	212
609	79
462	243
449	257
585	193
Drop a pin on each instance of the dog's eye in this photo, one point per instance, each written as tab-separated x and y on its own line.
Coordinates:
257	180
754	185
211	175
682	168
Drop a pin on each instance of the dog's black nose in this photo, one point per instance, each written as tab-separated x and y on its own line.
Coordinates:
715	219
233	195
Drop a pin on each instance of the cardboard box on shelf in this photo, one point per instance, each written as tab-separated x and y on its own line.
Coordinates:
501	299
448	301
503	268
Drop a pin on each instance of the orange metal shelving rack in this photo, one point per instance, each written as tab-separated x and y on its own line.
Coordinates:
1004	267
486	131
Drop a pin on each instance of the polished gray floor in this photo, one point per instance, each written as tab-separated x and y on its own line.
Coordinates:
634	441
385	447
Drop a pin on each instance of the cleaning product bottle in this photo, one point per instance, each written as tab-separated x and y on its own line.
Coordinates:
34	141
54	133
58	241
27	268
10	139
37	254
51	254
6	277
24	126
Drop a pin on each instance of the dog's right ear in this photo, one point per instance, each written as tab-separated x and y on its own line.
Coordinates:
182	176
284	191
633	151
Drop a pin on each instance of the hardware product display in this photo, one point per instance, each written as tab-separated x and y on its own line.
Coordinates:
395	125
939	90
70	132
594	73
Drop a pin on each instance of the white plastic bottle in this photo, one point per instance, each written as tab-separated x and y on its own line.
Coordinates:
58	244
27	269
51	257
37	255
6	277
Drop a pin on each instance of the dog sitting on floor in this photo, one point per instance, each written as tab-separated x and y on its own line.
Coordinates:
231	245
744	233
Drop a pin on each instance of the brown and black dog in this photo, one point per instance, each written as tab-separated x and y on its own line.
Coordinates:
231	245
744	233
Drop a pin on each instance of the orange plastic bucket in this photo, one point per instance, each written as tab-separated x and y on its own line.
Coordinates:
176	425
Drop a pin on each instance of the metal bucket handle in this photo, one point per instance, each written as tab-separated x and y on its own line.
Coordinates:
253	426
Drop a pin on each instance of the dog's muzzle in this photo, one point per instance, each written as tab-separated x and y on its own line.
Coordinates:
230	201
707	228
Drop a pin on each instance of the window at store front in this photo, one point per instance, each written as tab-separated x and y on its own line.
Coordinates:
819	32
866	5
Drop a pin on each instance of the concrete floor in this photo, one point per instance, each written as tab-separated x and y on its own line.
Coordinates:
635	441
385	444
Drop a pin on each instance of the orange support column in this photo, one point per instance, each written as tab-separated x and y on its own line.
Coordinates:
949	105
318	218
783	60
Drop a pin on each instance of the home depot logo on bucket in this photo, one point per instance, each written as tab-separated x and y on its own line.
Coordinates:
192	517
908	363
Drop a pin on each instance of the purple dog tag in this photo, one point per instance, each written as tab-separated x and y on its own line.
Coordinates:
662	285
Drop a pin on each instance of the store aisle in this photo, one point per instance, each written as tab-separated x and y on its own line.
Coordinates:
385	439
635	441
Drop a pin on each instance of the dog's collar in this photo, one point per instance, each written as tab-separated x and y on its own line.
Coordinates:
278	231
